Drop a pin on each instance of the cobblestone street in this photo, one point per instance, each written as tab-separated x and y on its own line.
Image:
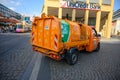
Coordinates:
17	61
15	55
102	65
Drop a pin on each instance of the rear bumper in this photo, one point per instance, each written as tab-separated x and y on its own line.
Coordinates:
46	52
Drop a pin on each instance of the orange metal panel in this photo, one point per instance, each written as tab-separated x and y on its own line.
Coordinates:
46	33
55	35
40	32
34	32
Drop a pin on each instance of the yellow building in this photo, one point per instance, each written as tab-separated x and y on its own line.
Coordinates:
97	13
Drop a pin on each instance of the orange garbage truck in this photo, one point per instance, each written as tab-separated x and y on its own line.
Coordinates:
62	39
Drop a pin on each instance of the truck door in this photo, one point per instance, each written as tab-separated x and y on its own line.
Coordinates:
95	39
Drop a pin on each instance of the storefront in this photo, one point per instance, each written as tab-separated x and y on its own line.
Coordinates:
96	13
116	23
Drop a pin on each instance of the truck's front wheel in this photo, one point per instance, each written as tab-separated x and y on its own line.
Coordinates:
98	47
72	58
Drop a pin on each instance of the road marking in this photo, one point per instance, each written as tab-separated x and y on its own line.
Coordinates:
26	75
36	68
44	72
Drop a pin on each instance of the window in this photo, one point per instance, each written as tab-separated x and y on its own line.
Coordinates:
94	32
81	0
53	0
106	2
92	19
20	26
94	1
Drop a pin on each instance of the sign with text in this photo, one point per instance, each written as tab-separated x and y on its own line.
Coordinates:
79	5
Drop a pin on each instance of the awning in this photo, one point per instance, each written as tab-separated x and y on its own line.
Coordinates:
9	20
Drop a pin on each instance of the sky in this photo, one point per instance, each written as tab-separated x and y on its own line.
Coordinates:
24	7
116	5
34	7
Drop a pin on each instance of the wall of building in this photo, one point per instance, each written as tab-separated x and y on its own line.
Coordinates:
117	28
116	22
105	6
103	25
6	12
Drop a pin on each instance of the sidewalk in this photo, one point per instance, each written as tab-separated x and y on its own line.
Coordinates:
113	39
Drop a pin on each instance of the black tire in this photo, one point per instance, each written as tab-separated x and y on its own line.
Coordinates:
98	47
72	58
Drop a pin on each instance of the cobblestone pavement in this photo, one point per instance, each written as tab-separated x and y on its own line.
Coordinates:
102	65
15	55
17	60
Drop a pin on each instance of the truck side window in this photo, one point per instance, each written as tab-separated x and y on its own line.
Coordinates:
94	32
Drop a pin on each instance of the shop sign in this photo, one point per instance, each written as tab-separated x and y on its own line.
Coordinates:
79	5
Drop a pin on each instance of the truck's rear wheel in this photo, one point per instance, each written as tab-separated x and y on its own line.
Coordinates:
72	58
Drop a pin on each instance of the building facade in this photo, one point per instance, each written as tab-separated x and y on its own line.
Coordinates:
97	13
116	23
8	16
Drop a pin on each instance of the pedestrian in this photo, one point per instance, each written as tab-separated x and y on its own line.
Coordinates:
0	29
4	29
10	28
14	28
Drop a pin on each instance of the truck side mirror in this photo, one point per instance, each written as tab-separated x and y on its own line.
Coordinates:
98	35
